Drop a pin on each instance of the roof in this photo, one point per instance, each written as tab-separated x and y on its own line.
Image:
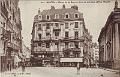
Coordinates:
51	12
58	11
109	20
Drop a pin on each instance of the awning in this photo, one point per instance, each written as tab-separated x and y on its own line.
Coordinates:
71	59
73	49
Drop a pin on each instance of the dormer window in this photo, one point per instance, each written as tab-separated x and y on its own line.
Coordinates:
47	17
66	15
76	15
40	17
56	16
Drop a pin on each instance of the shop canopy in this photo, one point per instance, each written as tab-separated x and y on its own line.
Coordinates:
73	49
71	59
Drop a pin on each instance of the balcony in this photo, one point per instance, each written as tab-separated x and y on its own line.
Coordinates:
4	11
56	29
66	38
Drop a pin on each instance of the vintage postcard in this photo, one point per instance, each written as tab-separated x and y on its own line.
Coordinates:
59	38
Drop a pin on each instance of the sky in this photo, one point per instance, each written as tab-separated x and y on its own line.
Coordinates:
95	14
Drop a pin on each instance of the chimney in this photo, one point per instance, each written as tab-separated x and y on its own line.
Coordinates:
39	11
74	7
52	7
116	5
63	6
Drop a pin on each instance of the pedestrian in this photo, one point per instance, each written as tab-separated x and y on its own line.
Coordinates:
78	68
23	67
8	66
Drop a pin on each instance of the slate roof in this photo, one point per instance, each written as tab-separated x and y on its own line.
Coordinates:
58	11
61	12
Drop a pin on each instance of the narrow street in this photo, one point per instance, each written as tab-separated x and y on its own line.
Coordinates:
60	72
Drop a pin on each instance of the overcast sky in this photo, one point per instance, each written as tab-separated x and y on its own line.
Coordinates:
95	15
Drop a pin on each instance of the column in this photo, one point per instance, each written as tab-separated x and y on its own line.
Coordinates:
117	41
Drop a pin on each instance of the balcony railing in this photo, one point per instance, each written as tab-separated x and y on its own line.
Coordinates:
56	29
4	11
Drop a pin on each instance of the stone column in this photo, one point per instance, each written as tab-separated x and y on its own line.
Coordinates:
117	45
117	40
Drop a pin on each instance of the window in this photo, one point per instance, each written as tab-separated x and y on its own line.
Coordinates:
76	16
40	17
47	26
43	44
47	17
56	43
39	27
56	16
76	24
39	44
56	24
66	15
56	33
76	45
66	26
76	34
47	34
47	45
66	44
66	34
39	35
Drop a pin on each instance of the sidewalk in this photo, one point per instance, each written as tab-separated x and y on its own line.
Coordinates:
12	73
111	70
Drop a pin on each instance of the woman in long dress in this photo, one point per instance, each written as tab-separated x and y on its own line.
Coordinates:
78	68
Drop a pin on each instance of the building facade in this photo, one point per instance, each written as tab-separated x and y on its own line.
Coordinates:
94	55
26	53
10	33
109	41
59	34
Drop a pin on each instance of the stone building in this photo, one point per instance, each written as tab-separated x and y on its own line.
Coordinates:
109	41
59	34
26	53
10	33
94	54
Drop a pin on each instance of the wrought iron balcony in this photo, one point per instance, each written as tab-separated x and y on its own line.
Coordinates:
56	29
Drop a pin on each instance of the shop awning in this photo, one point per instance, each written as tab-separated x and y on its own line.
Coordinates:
73	49
71	59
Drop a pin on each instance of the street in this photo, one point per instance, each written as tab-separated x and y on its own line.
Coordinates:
60	72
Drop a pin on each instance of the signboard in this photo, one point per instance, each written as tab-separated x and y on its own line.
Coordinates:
71	59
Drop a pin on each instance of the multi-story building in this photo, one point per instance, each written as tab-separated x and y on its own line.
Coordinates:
94	54
26	52
10	33
109	41
59	36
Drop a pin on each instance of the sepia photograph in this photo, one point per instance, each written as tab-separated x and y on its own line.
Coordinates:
59	38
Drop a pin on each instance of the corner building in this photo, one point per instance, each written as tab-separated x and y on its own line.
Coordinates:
59	35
